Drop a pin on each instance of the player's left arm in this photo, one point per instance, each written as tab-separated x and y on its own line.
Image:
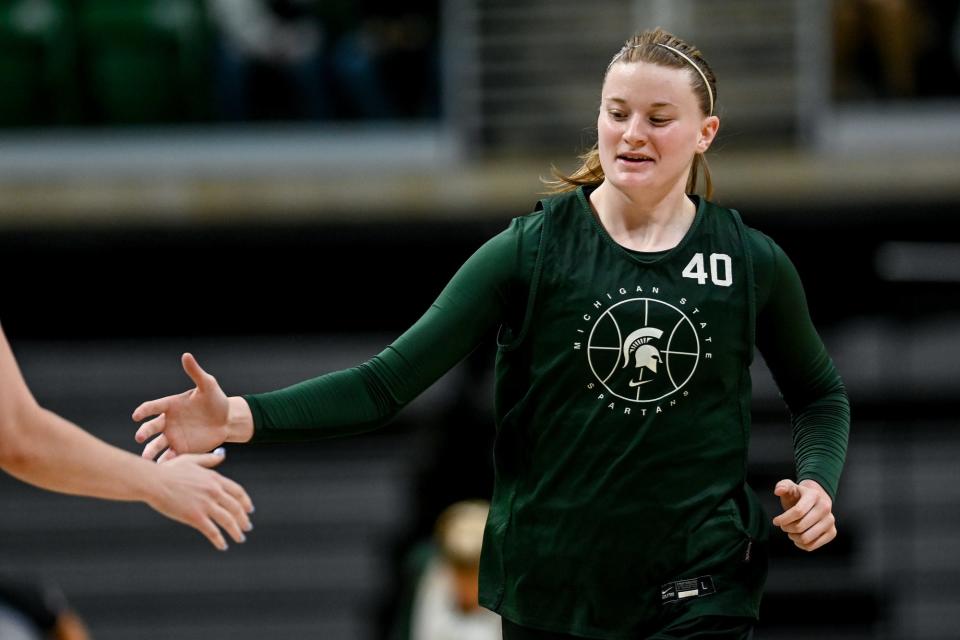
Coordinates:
816	397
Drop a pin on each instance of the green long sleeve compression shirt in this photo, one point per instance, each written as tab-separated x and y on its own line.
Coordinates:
491	289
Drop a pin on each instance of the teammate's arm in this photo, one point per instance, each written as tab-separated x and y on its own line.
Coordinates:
43	449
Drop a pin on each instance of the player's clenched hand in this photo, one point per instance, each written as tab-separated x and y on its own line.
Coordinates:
195	421
807	516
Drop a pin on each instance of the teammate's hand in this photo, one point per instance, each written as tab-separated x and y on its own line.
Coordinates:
807	516
188	492
195	421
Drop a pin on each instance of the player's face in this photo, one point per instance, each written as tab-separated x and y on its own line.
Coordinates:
650	127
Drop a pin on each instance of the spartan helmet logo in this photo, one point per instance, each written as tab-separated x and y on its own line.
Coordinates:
653	362
645	355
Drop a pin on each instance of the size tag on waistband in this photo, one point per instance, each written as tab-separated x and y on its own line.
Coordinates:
686	589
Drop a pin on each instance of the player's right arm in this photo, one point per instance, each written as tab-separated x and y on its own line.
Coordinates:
489	289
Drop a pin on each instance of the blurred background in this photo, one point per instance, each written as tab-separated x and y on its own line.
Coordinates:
283	186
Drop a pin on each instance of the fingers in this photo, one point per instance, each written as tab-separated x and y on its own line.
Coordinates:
211	532
218	510
240	495
230	495
788	491
227	521
796	513
786	486
194	494
155	447
808	518
150	408
234	499
210	460
234	490
150	428
231	519
201	378
237	509
816	536
817	513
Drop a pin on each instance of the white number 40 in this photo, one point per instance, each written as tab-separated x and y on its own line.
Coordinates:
719	262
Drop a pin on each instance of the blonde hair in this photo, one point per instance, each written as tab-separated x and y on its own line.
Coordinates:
459	532
667	50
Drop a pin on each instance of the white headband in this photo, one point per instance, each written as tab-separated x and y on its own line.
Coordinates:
694	65
682	55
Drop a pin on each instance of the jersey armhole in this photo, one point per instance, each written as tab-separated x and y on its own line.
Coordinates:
534	285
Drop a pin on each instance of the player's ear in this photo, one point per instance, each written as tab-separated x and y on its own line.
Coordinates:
708	131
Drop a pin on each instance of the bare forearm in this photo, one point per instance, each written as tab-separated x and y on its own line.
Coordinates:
50	452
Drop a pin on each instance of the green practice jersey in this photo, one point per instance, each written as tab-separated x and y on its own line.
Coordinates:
622	408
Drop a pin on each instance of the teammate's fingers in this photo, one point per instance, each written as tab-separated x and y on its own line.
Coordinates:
155	447
239	494
232	496
235	507
226	521
206	526
167	455
151	408
210	460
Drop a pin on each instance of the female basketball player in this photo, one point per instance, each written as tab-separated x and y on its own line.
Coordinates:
45	450
628	311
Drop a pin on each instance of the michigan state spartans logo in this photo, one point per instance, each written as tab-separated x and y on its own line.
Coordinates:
643	349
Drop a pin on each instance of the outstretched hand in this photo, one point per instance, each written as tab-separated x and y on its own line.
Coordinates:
194	421
189	492
807	516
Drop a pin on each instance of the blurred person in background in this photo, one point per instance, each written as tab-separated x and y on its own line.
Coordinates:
895	49
402	40
885	32
628	308
294	59
280	41
37	611
441	591
45	450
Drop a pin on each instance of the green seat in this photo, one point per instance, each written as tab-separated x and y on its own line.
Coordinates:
144	61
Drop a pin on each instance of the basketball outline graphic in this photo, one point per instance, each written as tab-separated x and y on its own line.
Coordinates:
643	341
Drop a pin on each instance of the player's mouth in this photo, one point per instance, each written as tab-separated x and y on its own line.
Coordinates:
634	158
